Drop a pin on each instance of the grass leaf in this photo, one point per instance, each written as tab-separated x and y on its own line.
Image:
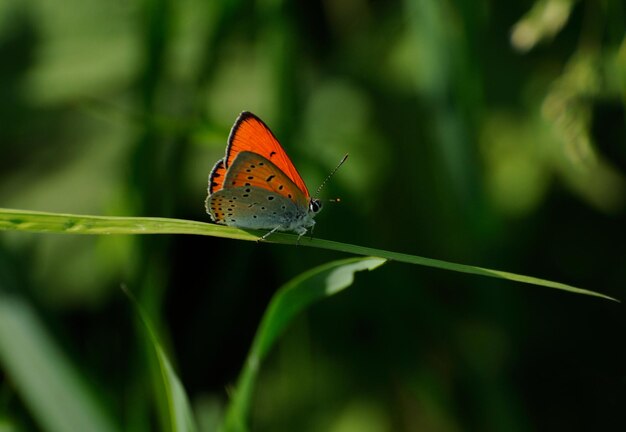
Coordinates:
43	376
22	220
292	298
179	412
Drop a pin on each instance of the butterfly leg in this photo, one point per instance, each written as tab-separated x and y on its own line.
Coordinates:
301	231
269	233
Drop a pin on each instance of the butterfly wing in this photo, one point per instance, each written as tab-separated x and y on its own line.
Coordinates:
250	207
216	178
249	133
253	170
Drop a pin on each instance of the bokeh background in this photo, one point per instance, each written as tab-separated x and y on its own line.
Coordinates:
483	132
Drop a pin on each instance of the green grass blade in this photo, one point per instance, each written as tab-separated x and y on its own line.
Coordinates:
289	300
21	220
43	376
179	413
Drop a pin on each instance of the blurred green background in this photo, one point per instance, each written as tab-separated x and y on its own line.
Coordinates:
483	132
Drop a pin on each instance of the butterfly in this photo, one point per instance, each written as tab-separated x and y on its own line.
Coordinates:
256	185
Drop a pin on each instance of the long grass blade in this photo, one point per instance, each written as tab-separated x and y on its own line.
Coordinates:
292	298
179	414
45	379
21	220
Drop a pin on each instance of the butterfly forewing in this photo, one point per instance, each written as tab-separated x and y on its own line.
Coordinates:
253	170
250	134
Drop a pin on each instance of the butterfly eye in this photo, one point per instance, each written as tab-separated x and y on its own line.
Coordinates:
315	205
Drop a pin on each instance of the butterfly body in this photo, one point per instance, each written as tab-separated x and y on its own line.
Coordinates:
256	186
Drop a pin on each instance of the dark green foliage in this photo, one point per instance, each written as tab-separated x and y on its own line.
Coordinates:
485	133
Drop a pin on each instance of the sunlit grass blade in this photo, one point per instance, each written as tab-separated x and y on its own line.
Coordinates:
43	376
24	220
21	220
178	411
289	300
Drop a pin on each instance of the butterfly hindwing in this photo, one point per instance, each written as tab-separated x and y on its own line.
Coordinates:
253	170
250	207
217	176
249	133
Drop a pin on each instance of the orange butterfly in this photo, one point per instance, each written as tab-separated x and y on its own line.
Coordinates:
256	185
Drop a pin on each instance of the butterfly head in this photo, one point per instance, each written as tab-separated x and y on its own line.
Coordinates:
315	206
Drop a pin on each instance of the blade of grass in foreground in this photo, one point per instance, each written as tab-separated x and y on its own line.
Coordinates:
293	297
22	220
178	412
48	383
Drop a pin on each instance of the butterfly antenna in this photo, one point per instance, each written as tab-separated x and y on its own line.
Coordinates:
330	175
